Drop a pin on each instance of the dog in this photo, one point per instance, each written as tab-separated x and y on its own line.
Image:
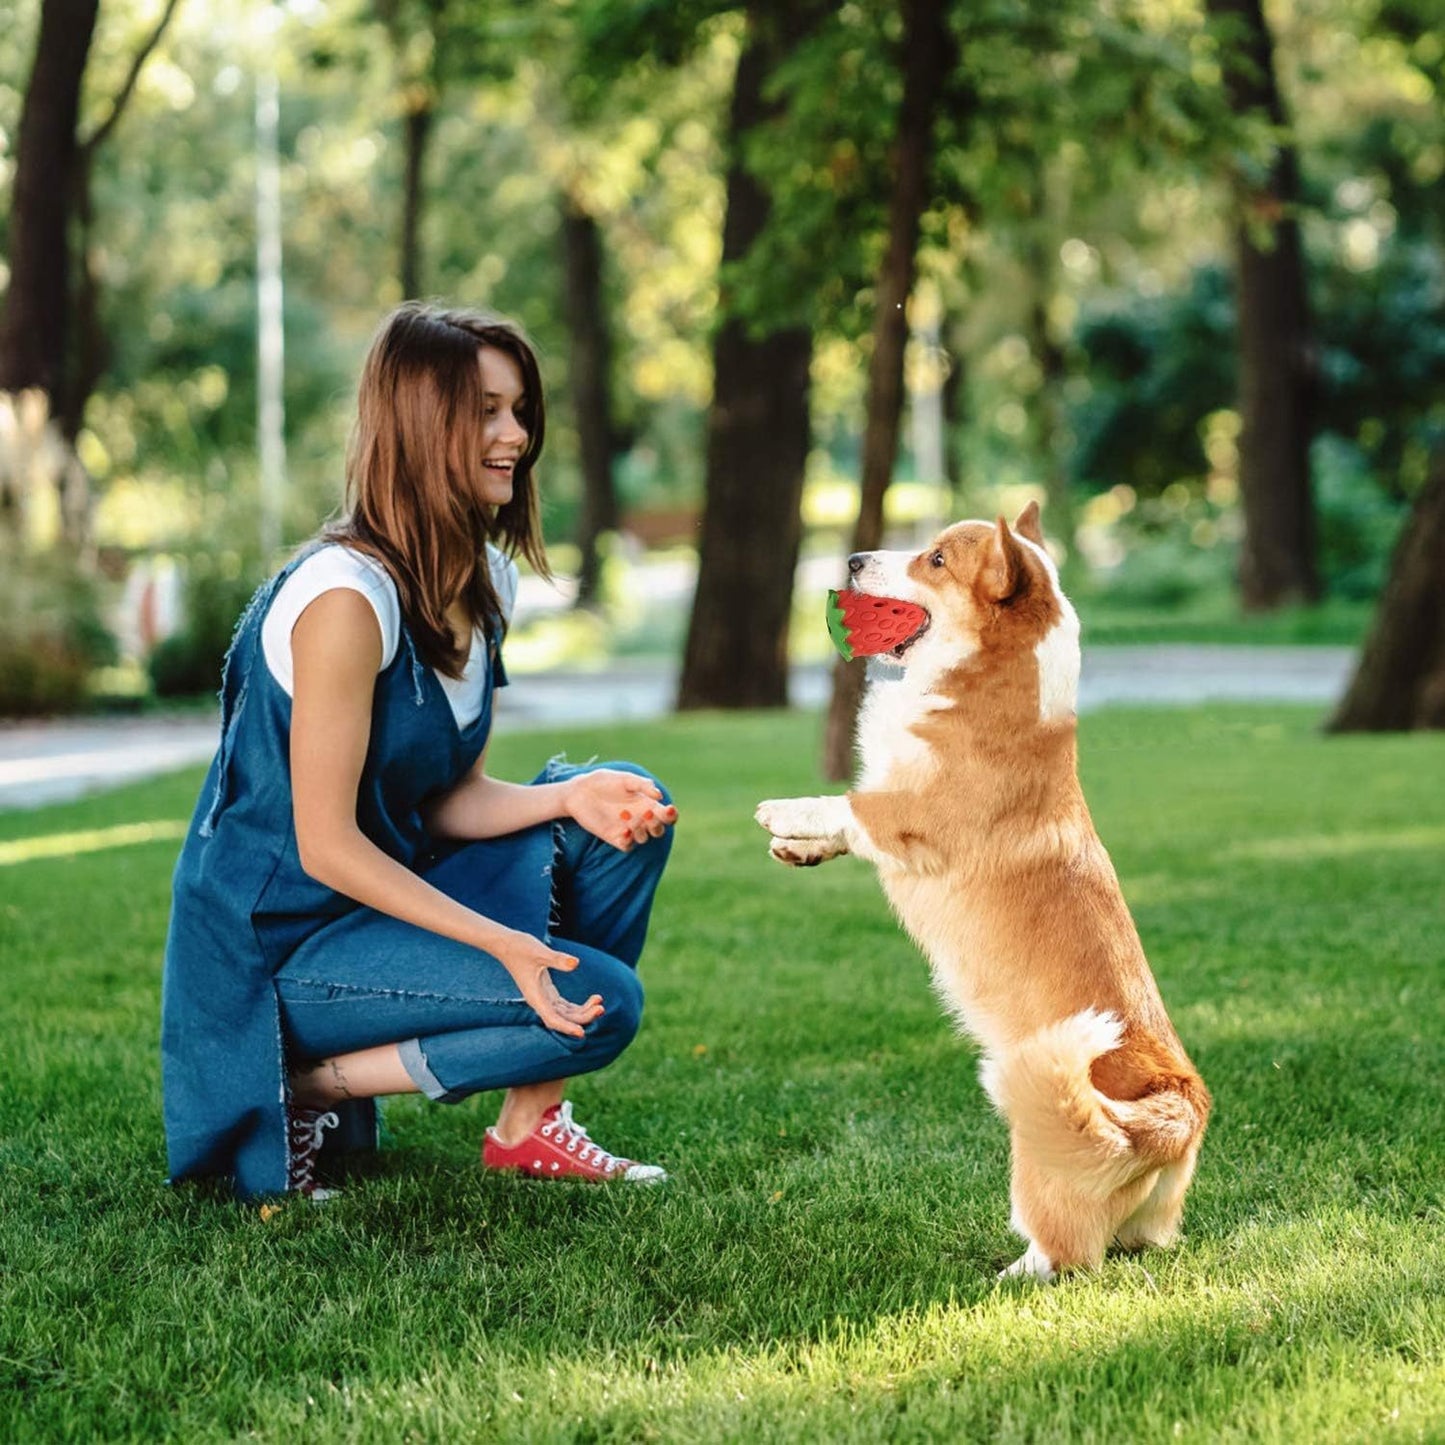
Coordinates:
968	804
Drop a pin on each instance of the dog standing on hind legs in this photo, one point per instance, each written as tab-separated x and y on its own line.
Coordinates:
969	806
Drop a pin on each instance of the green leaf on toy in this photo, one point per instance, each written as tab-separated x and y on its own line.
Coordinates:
837	627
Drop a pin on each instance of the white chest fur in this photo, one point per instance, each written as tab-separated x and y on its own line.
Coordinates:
887	742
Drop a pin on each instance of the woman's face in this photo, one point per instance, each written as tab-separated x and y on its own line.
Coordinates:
504	436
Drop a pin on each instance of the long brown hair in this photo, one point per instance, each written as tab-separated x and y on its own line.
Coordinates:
414	475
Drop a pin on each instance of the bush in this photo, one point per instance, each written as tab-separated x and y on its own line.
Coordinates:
217	589
1168	572
39	676
182	666
51	635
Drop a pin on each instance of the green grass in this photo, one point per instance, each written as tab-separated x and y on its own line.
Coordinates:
821	1266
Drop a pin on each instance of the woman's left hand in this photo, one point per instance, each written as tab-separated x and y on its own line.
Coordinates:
622	809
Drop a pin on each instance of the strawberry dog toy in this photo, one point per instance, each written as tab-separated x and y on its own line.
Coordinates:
863	626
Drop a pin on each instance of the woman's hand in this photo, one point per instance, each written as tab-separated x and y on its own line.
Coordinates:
622	809
529	960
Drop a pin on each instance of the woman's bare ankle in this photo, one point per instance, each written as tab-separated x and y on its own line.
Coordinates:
312	1086
522	1110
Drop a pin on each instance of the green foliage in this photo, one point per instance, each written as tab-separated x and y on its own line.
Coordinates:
1358	520
820	1266
52	634
1078	159
1382	333
1156	367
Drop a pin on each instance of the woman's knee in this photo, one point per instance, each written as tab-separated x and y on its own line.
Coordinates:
641	772
621	1015
655	850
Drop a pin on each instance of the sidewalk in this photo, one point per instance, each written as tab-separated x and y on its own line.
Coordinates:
49	762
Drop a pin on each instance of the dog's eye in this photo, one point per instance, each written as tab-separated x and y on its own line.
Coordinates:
936	560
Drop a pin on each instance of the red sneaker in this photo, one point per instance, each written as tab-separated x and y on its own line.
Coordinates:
560	1149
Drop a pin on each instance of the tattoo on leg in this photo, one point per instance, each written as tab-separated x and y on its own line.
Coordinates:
338	1079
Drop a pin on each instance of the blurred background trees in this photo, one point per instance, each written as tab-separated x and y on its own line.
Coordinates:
1173	266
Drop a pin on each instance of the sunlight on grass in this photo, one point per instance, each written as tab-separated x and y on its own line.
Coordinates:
1150	888
1001	1366
90	840
1338	845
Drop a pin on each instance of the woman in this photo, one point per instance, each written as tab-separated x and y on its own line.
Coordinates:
359	909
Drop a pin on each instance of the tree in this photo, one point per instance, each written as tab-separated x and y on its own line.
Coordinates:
736	654
50	336
415	35
35	325
926	54
589	371
1276	366
1399	683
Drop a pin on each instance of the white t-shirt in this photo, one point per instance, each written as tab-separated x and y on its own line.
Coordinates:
336	566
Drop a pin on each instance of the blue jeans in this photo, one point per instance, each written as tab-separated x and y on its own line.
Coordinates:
456	1013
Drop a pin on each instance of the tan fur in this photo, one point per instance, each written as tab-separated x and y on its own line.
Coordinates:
986	850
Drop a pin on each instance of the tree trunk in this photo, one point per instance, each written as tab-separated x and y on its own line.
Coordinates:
418	126
954	396
927	50
1051	425
1276	367
758	432
84	366
1050	414
1400	681
589	371
37	303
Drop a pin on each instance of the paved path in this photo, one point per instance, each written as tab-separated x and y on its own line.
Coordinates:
48	762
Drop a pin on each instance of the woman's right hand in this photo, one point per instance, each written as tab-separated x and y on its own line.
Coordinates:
621	808
529	961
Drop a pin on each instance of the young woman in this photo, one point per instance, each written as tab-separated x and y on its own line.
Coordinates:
359	908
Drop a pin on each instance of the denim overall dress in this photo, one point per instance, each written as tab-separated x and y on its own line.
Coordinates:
243	905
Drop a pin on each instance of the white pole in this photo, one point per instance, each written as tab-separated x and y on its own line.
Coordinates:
270	342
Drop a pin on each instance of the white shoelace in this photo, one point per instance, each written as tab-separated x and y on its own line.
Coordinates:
305	1130
574	1136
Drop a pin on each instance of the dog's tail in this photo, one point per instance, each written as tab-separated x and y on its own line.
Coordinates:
1045	1087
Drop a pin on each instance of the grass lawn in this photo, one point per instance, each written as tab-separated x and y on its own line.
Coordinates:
821	1266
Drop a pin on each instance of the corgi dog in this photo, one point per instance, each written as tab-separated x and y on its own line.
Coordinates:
968	804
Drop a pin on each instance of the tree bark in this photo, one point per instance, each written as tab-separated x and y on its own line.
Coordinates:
417	130
589	371
1399	683
33	329
1276	368
89	346
1051	423
758	432
954	397
927	52
1048	200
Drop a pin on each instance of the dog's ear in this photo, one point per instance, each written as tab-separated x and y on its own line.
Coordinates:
1003	565
1027	525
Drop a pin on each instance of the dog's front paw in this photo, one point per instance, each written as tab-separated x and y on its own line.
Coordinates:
774	814
804	852
804	817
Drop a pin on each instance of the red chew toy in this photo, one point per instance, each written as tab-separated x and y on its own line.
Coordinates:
863	626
